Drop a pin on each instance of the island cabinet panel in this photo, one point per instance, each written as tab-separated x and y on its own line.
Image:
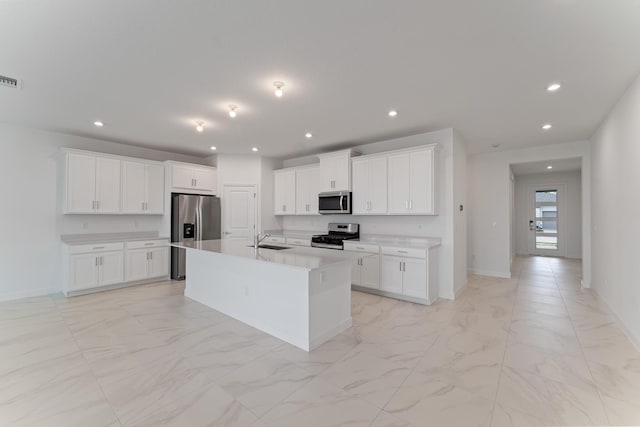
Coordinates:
284	192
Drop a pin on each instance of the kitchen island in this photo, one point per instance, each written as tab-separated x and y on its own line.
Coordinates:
299	295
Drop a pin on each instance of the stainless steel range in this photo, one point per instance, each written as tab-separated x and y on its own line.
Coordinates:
337	234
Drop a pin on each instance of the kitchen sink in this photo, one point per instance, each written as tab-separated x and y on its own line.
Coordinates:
275	248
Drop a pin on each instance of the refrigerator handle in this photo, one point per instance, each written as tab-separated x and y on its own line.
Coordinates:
199	219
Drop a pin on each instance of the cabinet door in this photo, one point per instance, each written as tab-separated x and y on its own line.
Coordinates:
360	194
421	199
111	268
154	189
204	179
133	187
355	271
285	192
108	174
137	265
370	271
83	271
279	184
399	183
414	281
327	172
391	274
377	180
159	262
81	183
307	182
342	173
182	177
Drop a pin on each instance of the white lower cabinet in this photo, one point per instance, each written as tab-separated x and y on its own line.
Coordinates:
407	272
93	266
146	260
391	274
365	270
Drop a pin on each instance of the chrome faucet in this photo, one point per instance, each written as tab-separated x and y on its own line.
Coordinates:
257	239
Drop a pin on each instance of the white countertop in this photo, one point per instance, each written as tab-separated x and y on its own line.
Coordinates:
296	256
401	241
95	238
296	234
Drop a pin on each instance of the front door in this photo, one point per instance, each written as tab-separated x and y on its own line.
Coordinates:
546	221
239	204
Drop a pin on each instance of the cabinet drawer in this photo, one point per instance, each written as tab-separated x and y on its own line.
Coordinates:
147	244
404	252
298	242
96	247
275	239
361	247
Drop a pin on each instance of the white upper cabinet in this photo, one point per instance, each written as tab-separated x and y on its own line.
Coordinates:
188	178
369	186
307	189
411	182
335	171
284	192
92	184
142	188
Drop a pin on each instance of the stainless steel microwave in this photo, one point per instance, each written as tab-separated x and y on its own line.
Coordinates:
334	202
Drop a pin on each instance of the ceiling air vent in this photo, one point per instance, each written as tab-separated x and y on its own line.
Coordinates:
9	82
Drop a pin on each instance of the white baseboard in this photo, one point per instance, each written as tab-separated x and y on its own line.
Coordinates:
480	272
634	339
39	292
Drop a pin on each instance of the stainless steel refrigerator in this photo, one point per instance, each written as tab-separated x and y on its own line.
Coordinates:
193	217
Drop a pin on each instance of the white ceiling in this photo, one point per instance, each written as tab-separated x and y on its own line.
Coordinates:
149	69
561	165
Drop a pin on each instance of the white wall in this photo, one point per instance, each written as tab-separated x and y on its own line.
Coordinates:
572	234
488	191
30	250
616	210
449	225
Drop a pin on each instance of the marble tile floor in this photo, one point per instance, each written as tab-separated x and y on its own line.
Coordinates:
533	350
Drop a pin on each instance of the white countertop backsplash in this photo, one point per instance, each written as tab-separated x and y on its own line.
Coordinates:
296	256
83	239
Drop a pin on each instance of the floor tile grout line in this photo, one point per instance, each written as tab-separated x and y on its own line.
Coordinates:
584	356
504	354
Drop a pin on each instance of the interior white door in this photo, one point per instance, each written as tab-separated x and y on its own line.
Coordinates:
239	204
546	223
133	187
108	176
81	183
154	189
399	183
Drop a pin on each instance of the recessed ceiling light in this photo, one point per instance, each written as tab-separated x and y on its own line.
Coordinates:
98	123
546	126
254	149
549	167
232	110
199	126
393	113
308	135
279	92
213	147
553	87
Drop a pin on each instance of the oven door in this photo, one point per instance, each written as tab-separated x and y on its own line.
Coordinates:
335	202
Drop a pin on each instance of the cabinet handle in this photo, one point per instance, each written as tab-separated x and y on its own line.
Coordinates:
149	244
400	265
98	247
403	252
150	255
195	182
359	247
404	266
96	260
